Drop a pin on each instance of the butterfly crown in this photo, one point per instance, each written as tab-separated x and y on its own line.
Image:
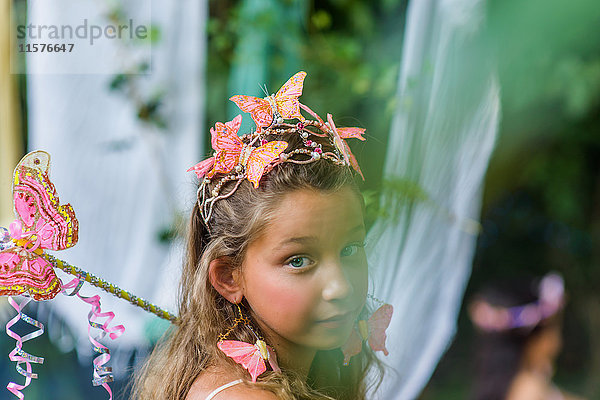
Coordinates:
253	155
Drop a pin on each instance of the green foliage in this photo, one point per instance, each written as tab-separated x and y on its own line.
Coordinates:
547	52
549	67
542	204
147	105
394	195
350	50
577	83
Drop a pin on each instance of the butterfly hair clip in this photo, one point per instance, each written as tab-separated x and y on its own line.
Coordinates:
275	107
251	156
251	356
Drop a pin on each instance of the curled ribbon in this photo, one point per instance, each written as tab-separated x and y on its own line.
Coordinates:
102	373
18	355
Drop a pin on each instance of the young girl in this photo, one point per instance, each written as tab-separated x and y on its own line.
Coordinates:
276	274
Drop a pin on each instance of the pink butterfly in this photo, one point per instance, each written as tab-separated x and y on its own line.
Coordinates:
220	140
203	167
283	104
41	223
231	151
372	330
250	356
339	134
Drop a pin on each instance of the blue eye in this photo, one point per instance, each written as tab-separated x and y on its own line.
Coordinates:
298	262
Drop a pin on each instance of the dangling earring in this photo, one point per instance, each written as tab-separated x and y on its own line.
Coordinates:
371	330
251	356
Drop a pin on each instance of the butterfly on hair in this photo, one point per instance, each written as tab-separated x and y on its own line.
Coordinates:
283	104
231	153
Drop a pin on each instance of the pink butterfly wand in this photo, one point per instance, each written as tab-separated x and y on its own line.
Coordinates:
42	223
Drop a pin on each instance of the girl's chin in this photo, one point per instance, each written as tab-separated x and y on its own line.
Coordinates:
332	340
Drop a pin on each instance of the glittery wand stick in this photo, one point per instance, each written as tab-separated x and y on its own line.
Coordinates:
110	288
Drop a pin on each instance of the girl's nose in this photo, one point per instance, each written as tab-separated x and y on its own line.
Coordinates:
337	285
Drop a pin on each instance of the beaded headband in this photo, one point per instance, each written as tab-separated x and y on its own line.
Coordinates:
492	318
255	154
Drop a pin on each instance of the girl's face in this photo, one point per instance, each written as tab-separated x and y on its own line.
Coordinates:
305	277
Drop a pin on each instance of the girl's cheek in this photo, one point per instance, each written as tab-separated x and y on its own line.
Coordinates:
286	304
359	276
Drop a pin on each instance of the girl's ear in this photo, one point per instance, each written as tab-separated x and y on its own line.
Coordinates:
225	279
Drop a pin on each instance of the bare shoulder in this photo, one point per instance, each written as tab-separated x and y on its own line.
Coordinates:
212	379
244	392
235	392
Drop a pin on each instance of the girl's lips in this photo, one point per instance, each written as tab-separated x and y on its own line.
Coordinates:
338	317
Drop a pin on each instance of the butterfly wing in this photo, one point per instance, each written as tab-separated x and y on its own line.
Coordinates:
38	160
259	109
236	349
245	354
203	167
337	140
255	365
378	323
228	145
50	225
273	360
293	87
287	97
224	135
225	161
353	161
349	133
352	347
233	126
24	272
261	157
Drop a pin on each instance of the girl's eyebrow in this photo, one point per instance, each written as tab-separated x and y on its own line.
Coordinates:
312	239
300	240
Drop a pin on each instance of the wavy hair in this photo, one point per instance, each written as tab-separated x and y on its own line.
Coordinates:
190	347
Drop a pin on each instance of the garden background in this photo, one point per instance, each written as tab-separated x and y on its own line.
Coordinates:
541	202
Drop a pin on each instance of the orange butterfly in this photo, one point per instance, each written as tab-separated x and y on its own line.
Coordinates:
221	130
231	152
339	134
283	104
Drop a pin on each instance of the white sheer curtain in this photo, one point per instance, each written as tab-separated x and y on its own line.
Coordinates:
441	138
125	179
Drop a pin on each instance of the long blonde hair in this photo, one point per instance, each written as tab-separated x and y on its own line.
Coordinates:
191	346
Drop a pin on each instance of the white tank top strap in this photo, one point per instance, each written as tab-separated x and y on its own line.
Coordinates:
221	388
